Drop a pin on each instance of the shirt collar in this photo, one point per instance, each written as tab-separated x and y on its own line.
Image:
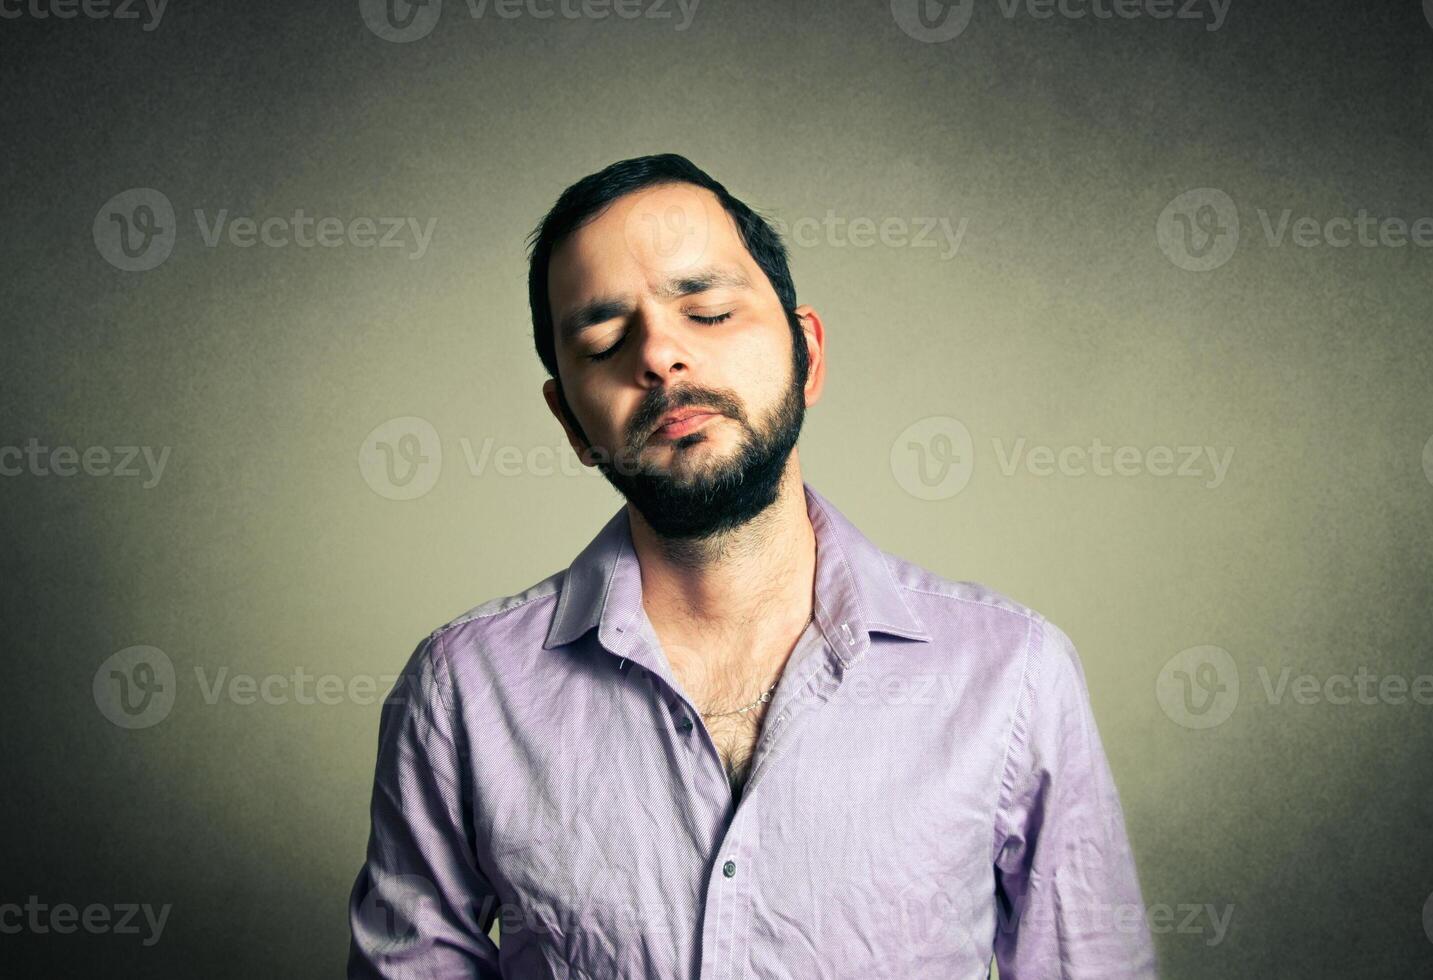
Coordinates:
856	592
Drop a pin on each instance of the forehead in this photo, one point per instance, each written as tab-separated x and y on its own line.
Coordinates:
643	240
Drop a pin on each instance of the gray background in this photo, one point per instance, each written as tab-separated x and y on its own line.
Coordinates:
1065	316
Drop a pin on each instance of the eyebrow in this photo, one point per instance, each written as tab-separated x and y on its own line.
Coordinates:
606	308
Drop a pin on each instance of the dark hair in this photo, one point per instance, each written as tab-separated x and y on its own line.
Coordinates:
592	194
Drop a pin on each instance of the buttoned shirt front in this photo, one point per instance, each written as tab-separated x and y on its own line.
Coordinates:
928	790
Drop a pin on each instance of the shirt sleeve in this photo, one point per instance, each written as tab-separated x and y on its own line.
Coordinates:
1068	898
420	906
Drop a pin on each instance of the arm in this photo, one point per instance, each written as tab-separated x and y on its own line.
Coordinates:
1068	898
420	906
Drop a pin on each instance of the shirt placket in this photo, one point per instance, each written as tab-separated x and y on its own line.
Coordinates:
731	884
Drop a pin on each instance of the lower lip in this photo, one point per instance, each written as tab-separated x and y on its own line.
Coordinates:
689	424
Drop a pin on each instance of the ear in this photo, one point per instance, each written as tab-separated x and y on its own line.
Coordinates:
579	446
815	333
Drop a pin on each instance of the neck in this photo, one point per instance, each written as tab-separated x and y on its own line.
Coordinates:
749	585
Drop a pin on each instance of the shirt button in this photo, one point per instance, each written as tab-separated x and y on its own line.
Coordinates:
729	869
685	725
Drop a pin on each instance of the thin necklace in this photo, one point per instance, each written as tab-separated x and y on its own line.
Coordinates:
765	697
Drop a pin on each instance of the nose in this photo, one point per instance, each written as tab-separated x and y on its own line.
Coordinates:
665	351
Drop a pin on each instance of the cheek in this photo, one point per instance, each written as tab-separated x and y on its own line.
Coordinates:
760	369
603	408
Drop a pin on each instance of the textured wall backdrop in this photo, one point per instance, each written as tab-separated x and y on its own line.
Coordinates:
1128	318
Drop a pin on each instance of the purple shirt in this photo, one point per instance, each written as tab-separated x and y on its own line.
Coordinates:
929	790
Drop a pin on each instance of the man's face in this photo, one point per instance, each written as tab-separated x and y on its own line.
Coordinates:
659	309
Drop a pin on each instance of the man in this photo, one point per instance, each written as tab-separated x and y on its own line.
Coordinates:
735	738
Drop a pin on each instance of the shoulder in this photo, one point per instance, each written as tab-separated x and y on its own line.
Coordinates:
508	623
959	609
929	593
497	611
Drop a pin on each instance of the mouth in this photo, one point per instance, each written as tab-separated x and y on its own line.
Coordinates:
683	421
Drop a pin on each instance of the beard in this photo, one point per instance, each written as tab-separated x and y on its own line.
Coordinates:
691	503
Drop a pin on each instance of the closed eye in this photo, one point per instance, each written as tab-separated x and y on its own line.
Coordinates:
709	320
